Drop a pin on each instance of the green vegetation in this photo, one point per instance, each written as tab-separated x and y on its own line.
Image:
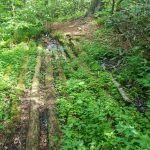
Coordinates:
127	34
67	10
91	110
12	60
130	68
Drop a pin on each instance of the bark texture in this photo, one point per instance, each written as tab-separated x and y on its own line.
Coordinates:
96	5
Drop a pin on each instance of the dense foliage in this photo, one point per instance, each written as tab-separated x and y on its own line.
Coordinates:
11	61
67	9
18	24
133	23
127	24
21	22
91	111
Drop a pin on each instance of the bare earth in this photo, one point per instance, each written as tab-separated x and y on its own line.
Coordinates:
82	27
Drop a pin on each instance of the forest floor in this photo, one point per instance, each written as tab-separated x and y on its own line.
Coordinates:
39	126
82	27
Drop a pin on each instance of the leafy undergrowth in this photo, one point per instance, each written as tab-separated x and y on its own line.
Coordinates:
11	62
92	113
69	17
129	66
125	53
31	66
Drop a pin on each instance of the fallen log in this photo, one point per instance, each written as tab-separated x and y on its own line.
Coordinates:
121	91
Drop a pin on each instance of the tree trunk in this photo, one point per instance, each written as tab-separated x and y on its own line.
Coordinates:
13	8
46	2
118	5
96	5
113	6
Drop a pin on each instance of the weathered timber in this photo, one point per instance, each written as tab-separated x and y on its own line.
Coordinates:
54	129
33	131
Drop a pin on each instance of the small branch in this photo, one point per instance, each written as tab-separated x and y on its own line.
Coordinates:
121	91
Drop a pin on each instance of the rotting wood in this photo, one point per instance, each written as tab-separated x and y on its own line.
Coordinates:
73	57
121	91
76	46
22	112
62	77
43	110
24	118
20	84
70	53
33	131
67	61
63	54
24	107
118	86
67	48
54	129
7	73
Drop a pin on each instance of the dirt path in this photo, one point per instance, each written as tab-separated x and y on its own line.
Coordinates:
39	127
44	131
33	132
82	27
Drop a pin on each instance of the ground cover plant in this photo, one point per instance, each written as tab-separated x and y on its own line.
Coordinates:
74	74
12	60
126	53
90	115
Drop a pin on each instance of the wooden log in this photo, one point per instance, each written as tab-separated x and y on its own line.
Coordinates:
121	91
33	131
21	85
54	129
